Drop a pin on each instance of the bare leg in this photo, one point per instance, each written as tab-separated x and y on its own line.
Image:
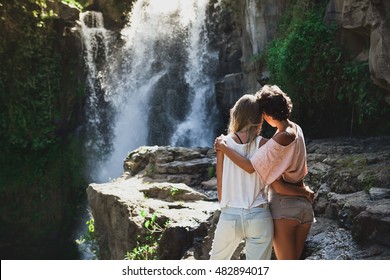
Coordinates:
300	238
285	239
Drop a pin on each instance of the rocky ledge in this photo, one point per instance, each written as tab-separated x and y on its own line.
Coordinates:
165	202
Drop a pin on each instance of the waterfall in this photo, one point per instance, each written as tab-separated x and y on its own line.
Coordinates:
155	83
97	109
198	127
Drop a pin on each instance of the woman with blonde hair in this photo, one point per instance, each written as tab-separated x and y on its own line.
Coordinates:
245	213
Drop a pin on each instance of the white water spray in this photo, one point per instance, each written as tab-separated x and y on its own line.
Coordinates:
95	43
157	84
198	127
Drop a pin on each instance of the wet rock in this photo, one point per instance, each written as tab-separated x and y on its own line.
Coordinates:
351	178
373	224
114	11
327	241
379	193
344	207
174	242
321	199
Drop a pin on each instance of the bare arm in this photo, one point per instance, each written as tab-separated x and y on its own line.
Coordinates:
299	189
241	161
219	170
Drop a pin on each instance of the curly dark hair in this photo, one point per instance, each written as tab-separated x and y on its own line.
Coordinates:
274	102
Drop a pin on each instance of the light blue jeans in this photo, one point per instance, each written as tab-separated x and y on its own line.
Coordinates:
254	225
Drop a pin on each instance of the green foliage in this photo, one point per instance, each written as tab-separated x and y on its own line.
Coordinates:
146	248
41	194
142	252
73	3
88	241
42	162
211	171
29	80
357	89
332	94
174	191
369	182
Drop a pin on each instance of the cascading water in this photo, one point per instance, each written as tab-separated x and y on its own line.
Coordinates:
198	127
157	87
97	110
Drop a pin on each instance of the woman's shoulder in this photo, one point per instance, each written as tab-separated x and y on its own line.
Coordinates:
260	141
284	138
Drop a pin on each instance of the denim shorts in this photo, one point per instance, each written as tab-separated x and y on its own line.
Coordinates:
291	207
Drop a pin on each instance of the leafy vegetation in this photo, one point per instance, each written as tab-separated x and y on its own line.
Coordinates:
73	3
146	248
211	171
174	191
332	93
88	241
41	165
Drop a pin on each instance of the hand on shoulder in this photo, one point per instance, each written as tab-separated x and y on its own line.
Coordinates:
219	142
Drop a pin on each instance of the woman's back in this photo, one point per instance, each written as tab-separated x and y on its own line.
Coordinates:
274	160
239	188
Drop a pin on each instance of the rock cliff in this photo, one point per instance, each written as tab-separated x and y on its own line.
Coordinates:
350	177
365	33
246	28
243	28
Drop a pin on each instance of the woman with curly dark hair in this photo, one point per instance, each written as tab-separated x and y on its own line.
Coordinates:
283	157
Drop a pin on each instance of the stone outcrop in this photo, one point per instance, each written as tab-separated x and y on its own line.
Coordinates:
115	12
63	11
118	206
161	181
365	33
352	203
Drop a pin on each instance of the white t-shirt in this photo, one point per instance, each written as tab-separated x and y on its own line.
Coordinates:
239	188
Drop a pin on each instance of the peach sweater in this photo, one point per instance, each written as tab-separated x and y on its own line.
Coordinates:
273	160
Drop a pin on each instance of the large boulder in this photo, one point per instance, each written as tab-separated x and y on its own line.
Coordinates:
158	183
373	224
121	208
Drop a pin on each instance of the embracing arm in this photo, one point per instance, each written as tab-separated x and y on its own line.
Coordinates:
219	170
241	161
283	187
299	189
